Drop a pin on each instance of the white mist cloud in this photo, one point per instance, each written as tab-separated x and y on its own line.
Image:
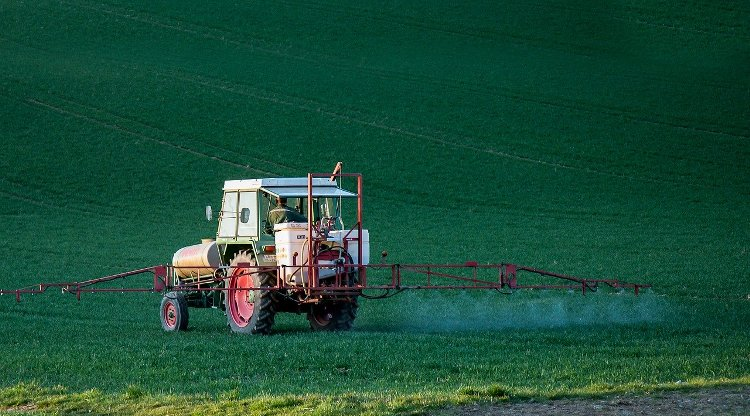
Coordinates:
438	311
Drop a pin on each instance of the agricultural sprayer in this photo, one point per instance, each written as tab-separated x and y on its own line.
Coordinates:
299	245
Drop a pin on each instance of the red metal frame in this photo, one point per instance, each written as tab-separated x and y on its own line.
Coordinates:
507	278
312	248
77	288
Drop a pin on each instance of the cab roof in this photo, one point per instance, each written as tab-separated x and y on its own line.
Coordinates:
290	187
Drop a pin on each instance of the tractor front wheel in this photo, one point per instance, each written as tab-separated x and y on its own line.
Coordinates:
249	310
174	312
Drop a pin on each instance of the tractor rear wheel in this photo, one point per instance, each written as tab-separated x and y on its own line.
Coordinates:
336	315
330	316
174	312
249	310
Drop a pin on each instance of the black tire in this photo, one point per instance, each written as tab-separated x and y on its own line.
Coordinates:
336	315
249	311
333	316
174	312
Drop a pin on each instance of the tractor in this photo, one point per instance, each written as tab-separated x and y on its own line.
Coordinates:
255	268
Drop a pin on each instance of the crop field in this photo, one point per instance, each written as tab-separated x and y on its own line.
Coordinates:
596	139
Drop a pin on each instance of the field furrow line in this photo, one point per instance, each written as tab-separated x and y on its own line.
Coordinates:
390	18
159	130
173	24
627	16
318	59
642	22
441	83
167	133
557	102
262	45
433	136
43	204
320	108
38	48
508	208
479	89
92	206
493	34
121	129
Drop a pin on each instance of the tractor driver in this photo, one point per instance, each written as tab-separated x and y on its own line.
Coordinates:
282	213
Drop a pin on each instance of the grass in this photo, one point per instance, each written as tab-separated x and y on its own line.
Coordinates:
32	399
404	357
593	140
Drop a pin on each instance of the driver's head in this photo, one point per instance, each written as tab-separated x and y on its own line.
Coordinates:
280	200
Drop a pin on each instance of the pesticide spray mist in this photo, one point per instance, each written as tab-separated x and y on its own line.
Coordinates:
450	311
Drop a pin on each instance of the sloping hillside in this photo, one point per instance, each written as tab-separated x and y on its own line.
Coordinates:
592	139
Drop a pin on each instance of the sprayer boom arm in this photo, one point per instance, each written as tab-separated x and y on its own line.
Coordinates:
390	279
160	279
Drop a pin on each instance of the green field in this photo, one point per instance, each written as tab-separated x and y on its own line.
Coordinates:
598	139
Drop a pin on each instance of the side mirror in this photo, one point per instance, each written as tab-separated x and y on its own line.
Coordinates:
245	215
209	213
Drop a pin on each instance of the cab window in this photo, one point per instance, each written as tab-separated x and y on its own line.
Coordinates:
228	215
248	215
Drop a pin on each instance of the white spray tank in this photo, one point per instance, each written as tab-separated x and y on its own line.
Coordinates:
292	250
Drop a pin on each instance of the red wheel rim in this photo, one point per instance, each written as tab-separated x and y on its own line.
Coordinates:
241	299
170	314
322	315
